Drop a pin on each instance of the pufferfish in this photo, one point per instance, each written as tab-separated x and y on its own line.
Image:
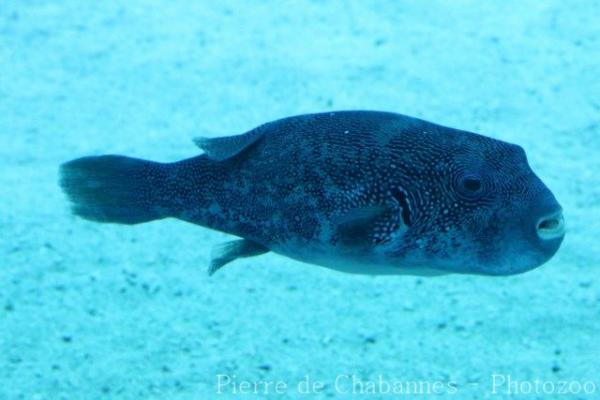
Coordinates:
356	191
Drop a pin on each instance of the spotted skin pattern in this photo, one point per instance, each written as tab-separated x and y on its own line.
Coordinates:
357	191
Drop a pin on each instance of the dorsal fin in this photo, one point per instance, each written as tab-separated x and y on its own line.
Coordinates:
222	148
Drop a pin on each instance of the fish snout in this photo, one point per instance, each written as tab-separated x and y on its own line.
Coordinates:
551	226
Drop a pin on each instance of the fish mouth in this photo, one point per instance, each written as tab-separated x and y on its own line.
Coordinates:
551	226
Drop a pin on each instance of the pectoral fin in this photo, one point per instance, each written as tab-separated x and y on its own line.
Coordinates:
224	253
355	228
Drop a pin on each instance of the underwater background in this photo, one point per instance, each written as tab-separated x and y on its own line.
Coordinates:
90	311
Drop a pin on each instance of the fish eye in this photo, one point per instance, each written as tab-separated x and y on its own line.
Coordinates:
471	184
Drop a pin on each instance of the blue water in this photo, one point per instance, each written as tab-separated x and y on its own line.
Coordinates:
91	311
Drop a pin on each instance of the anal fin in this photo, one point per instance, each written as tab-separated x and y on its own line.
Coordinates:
225	253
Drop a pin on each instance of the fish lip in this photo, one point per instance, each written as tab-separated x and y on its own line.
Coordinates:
551	226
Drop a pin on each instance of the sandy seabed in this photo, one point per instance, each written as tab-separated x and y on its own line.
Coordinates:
102	311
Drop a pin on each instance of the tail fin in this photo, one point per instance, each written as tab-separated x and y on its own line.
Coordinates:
115	189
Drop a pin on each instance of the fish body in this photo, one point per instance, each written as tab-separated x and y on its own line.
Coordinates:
356	191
